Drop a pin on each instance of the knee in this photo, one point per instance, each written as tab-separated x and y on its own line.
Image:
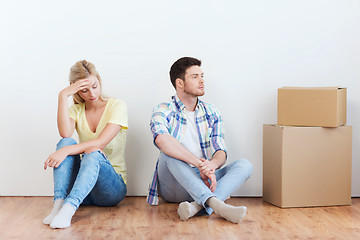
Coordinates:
163	158
65	142
92	157
173	164
166	158
245	165
92	149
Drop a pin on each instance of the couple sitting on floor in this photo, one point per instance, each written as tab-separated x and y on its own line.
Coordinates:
188	132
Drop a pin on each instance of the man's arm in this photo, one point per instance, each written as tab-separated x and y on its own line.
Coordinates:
218	159
172	147
165	141
218	142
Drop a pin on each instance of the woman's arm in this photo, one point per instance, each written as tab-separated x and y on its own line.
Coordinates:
66	125
108	133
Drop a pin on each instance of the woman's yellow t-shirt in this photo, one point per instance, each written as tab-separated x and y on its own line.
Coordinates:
115	112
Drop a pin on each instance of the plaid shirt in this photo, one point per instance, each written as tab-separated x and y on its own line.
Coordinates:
169	118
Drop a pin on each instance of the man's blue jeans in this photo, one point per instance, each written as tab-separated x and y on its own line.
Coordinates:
88	181
179	182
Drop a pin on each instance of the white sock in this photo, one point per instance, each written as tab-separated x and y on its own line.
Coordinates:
230	213
63	218
57	205
187	210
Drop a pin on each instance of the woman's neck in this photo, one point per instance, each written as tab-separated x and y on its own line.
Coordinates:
93	106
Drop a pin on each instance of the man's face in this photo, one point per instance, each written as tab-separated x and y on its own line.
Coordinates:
194	81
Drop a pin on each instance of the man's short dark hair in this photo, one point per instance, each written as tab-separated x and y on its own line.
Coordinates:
178	69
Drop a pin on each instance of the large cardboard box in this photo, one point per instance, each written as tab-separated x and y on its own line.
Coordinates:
308	106
307	166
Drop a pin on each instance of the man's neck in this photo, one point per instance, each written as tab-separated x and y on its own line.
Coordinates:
189	101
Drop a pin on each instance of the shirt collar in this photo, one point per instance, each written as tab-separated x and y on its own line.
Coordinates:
180	105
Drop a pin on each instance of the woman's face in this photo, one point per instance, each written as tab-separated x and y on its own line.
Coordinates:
92	91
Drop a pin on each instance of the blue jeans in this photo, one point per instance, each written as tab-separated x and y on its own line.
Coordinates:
90	181
179	182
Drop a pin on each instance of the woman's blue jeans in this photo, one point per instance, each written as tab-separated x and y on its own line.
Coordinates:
179	182
88	181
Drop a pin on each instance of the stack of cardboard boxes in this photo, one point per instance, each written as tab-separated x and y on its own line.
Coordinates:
307	155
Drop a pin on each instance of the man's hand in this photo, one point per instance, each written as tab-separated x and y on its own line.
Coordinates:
212	179
206	166
207	172
205	179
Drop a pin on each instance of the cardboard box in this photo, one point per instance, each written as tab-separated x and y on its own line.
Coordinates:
307	106
307	166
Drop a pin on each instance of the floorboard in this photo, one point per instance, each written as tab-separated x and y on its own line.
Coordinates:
21	218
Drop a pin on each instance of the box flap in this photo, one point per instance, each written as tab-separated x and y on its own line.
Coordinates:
311	88
274	125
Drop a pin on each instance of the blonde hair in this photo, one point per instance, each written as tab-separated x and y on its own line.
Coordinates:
81	70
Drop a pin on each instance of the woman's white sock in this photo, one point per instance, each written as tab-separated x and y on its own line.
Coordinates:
187	210
63	218
230	213
57	205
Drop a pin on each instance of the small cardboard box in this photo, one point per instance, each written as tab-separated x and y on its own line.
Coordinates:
307	166
308	106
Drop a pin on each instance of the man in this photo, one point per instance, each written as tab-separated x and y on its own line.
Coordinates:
190	136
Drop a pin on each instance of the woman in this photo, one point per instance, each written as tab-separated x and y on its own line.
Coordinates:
91	172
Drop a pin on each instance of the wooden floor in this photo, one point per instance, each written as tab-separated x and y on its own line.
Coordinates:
21	218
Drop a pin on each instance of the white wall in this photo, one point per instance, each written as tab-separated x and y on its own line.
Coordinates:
248	49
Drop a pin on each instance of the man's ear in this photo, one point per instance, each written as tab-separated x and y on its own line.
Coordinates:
179	83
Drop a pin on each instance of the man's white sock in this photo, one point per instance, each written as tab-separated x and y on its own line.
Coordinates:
230	213
56	207
187	210
63	218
